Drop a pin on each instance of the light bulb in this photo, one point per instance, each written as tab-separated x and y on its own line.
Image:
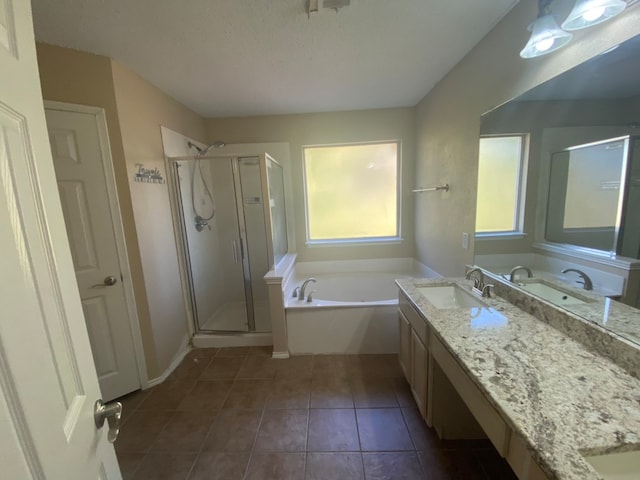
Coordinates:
544	45
546	37
586	13
593	14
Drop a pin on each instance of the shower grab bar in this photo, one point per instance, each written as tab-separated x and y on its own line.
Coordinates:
444	188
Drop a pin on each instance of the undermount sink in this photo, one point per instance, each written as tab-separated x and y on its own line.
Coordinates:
551	294
617	466
450	296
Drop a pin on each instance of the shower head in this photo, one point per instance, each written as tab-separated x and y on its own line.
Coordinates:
203	151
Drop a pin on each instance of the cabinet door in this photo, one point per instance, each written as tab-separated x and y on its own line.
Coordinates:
419	372
404	350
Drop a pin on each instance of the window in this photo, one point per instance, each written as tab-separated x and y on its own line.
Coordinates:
351	192
501	175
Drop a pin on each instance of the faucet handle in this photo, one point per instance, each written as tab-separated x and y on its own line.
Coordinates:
296	292
309	297
486	290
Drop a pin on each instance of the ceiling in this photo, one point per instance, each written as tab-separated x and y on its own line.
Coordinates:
226	58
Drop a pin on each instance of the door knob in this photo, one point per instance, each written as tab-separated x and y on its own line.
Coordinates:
107	282
111	412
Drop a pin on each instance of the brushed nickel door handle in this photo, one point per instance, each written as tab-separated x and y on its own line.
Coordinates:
107	282
112	413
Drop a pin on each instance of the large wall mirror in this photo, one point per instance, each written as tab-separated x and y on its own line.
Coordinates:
580	187
583	129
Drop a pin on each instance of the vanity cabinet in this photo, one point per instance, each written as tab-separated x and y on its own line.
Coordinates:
419	372
448	398
413	354
521	461
483	412
404	349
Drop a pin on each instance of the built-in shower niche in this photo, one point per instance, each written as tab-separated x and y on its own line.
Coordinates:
231	215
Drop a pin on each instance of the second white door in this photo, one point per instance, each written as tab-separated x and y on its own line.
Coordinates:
81	172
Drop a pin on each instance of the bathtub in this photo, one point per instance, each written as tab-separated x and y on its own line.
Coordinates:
353	309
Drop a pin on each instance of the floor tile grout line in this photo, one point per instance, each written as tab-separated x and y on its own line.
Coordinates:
204	441
253	445
215	420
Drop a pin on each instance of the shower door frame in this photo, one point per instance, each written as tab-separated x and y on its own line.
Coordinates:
180	225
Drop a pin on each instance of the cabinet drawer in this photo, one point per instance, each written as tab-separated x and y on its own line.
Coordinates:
488	418
415	320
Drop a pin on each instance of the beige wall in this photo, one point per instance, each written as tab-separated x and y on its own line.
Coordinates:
85	79
135	110
328	128
142	109
448	122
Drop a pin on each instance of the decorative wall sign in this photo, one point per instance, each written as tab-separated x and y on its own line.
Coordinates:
147	175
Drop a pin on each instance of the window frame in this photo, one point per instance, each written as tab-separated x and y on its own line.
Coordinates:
355	240
521	190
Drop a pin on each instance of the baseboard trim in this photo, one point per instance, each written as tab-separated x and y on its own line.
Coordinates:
174	364
282	355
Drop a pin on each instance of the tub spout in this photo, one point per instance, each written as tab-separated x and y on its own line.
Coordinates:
304	287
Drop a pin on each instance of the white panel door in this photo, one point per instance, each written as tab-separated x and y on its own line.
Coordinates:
48	382
81	173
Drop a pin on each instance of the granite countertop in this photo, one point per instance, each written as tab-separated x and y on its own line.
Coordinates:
561	398
610	314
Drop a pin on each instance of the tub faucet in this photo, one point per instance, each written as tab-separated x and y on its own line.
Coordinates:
512	274
586	282
478	282
304	287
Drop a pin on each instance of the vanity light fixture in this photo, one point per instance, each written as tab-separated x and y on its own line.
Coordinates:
546	35
586	13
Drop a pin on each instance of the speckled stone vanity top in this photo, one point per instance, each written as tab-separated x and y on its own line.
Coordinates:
602	311
561	398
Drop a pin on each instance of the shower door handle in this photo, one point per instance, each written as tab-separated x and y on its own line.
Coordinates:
234	246
241	249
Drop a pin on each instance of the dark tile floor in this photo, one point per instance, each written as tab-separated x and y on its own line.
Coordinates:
235	413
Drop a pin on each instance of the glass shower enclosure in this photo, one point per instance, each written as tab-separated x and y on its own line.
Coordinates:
226	207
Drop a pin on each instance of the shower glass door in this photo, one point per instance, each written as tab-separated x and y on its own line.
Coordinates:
213	244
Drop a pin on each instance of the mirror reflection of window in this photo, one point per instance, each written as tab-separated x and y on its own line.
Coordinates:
585	198
500	172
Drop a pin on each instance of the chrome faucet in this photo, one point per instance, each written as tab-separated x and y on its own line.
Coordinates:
478	282
512	274
586	282
304	287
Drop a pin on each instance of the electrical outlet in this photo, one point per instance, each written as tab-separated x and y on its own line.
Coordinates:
465	240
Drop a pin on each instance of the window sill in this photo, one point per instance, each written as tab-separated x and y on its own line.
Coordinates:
354	243
500	236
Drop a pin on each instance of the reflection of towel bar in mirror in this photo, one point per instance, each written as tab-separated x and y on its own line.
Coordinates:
444	187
